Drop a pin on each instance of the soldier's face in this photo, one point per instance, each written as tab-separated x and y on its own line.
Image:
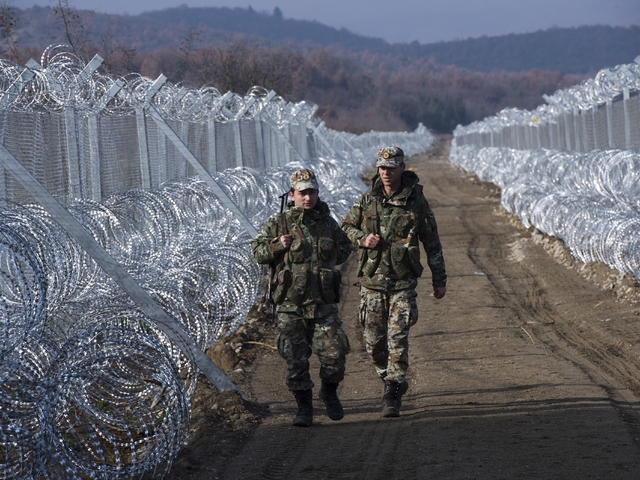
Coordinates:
391	177
306	199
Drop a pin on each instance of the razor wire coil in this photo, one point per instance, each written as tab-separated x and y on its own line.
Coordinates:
90	388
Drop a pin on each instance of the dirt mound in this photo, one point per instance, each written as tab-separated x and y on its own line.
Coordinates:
221	422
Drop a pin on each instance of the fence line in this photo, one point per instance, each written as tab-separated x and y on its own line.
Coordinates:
100	140
599	114
90	387
571	167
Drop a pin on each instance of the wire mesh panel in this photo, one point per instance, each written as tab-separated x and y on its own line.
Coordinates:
34	138
618	124
600	128
119	159
583	184
225	146
249	146
633	126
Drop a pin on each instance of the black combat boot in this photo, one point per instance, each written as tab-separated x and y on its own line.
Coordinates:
304	417
392	397
404	386
328	394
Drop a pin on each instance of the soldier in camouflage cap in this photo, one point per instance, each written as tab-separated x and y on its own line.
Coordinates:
387	224
390	157
303	180
307	243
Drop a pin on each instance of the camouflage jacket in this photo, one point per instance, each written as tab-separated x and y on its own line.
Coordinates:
307	282
401	220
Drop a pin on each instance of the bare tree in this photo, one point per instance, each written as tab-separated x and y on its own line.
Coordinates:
109	49
118	59
74	25
188	47
239	65
8	22
127	56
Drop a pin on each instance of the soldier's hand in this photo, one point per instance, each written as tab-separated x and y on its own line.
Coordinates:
439	292
371	241
286	240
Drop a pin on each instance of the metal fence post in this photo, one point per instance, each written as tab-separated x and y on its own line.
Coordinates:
259	143
94	159
71	146
576	130
594	110
627	118
163	161
211	132
143	147
237	141
567	132
609	111
143	153
184	135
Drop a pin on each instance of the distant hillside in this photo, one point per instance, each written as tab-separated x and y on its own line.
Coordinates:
358	83
264	25
570	50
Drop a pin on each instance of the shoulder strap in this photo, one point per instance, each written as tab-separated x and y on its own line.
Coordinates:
375	218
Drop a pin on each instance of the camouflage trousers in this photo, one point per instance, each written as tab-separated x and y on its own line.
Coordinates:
298	338
386	318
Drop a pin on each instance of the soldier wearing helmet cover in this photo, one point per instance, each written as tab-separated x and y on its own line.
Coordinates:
387	224
307	248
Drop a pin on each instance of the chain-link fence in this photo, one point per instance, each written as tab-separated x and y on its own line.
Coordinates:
571	167
128	205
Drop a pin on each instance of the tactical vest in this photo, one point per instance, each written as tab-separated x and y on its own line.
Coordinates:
397	255
307	275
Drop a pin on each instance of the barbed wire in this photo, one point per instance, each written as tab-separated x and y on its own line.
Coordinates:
55	86
588	200
608	85
89	386
585	195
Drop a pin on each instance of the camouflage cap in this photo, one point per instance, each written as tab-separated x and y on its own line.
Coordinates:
303	180
390	157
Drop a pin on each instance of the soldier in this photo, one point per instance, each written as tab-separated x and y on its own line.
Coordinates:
307	243
386	224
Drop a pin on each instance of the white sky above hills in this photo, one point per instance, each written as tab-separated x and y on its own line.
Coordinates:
426	21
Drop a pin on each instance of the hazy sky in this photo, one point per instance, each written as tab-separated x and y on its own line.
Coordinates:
407	20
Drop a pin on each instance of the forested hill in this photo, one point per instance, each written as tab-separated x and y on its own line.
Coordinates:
273	27
570	50
358	83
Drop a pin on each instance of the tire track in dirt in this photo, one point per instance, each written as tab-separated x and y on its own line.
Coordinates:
514	374
512	264
599	353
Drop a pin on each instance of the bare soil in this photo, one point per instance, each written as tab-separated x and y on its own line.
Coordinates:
527	369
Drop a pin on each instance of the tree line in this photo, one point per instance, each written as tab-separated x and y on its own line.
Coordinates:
349	95
355	91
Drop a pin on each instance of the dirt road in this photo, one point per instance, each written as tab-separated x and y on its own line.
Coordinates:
524	370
